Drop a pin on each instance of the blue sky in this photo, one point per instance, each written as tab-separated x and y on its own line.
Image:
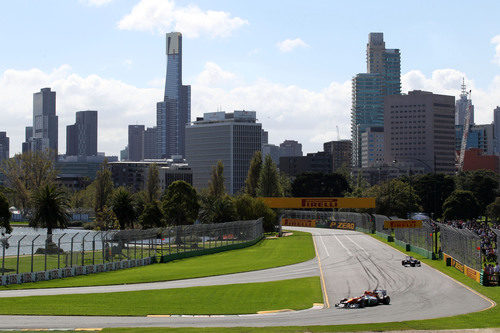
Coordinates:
109	55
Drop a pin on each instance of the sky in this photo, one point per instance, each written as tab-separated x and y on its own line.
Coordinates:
292	61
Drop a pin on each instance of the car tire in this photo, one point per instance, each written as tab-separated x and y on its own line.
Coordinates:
362	303
387	300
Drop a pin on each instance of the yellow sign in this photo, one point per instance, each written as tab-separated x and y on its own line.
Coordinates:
298	222
472	273
315	203
343	225
392	224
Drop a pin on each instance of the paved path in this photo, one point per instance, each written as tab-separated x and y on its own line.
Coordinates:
351	263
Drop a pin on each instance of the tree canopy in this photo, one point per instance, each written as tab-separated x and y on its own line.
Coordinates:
153	183
482	183
394	198
5	214
180	203
432	190
50	209
123	207
461	205
269	180
216	187
103	186
252	180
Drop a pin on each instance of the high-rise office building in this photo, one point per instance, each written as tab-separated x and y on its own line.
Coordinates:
28	139
273	151
231	138
480	136
496	126
461	107
81	138
290	148
45	122
383	78
174	113
4	146
150	140
341	151
372	147
419	129
135	142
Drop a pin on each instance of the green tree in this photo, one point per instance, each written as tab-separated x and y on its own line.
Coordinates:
106	219
269	182
461	205
394	198
433	189
493	210
152	216
252	180
217	210
285	184
216	186
482	183
103	185
25	173
249	208
123	207
50	209
5	214
180	203
153	183
316	184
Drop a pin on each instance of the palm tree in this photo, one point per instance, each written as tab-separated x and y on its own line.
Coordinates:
50	206
123	207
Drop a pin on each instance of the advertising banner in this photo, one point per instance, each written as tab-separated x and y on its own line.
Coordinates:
393	224
319	203
298	222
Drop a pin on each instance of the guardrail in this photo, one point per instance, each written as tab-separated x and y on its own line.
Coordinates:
36	257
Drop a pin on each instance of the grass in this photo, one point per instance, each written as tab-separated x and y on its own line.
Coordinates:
227	299
267	253
484	319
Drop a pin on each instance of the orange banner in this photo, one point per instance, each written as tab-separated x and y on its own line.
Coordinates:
298	222
316	203
393	224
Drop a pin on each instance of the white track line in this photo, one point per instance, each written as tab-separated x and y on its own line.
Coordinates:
338	240
322	242
357	245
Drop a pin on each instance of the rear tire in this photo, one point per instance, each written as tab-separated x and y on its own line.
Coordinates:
387	300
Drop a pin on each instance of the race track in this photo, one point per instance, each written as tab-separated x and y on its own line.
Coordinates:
351	262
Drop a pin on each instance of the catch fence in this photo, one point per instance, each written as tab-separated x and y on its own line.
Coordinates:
417	237
34	256
461	244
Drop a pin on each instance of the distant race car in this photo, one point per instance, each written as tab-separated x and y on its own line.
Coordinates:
369	298
410	261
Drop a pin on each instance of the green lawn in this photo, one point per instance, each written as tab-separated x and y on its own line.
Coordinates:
265	254
293	294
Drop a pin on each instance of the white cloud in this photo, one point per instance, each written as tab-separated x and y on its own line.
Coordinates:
449	81
118	103
289	44
496	40
163	15
96	3
286	111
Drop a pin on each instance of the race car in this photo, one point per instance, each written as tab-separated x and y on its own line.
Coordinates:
369	298
410	261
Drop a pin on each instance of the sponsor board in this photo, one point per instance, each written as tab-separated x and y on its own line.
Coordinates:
319	203
298	222
470	272
394	224
343	225
473	274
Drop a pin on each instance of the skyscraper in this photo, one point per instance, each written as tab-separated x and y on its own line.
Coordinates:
461	107
45	121
419	129
135	142
150	140
174	113
290	148
231	138
383	78
496	126
4	146
81	138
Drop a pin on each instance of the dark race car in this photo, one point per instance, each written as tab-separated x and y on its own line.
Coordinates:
369	298
410	261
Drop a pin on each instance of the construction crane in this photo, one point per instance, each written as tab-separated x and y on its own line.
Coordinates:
465	134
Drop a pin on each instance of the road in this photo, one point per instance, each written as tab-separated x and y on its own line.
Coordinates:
351	262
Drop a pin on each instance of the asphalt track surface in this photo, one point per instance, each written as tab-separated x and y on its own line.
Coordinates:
351	262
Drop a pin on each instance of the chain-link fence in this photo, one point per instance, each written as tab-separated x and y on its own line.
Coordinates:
379	224
29	250
420	237
461	244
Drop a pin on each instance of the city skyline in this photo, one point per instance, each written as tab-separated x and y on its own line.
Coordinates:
284	74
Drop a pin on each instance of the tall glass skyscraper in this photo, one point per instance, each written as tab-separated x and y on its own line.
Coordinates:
174	113
45	123
383	78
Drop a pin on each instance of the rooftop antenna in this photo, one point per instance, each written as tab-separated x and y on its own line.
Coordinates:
464	88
